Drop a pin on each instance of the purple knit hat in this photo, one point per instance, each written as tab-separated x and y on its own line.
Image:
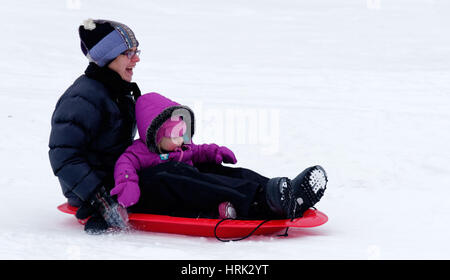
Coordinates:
104	40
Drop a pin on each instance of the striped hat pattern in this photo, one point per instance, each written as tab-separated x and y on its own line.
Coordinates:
103	40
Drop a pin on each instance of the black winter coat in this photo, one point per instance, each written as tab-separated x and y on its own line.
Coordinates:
92	125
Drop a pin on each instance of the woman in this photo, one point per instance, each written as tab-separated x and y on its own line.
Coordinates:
93	122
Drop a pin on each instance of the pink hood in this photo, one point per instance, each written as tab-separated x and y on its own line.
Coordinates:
152	110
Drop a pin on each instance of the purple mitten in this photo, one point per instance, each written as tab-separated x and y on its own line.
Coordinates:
127	193
225	155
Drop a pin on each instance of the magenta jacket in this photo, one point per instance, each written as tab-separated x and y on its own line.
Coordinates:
152	110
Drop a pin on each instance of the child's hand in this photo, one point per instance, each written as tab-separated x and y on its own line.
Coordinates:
127	193
225	155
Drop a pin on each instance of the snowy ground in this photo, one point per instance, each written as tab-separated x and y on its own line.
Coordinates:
361	87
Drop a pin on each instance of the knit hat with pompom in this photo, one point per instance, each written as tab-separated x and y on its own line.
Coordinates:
104	40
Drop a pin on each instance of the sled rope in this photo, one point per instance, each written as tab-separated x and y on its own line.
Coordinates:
240	238
285	234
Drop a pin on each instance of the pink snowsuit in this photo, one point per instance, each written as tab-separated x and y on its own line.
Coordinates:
152	110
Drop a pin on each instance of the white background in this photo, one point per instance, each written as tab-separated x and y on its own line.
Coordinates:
360	87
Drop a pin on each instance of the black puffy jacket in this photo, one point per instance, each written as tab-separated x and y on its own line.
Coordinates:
92	125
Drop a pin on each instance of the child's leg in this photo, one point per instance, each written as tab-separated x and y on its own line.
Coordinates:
180	189
259	208
234	172
307	189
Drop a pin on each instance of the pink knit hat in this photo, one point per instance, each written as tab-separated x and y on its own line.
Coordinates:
173	127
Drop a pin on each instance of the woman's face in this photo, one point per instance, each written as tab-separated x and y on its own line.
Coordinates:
124	66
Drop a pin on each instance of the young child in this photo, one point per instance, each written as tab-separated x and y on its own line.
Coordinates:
166	129
169	138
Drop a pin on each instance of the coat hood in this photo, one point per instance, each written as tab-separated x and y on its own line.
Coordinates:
152	110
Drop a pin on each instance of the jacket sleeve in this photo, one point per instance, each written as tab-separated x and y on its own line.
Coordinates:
136	157
75	122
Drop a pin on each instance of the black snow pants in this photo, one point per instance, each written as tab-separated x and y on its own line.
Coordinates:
178	189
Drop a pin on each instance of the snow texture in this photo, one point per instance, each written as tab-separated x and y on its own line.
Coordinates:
360	87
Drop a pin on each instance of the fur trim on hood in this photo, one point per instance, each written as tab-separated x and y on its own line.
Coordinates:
152	110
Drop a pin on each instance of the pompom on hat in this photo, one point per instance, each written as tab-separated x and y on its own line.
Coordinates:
104	40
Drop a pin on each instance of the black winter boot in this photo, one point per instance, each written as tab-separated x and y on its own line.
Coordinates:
309	187
280	197
291	198
96	225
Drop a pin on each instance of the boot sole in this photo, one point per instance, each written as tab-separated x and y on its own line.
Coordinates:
318	181
309	186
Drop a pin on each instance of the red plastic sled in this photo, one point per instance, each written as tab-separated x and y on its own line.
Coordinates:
206	227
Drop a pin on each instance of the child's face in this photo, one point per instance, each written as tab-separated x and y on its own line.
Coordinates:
170	143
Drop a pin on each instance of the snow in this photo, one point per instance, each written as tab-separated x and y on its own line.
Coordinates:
360	87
